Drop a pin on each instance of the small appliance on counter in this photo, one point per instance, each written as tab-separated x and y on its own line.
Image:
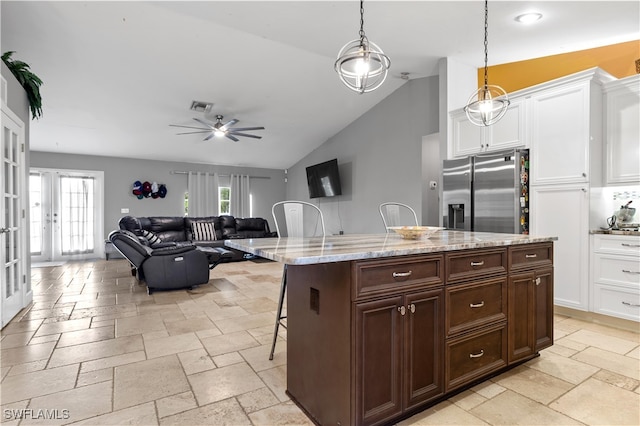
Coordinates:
623	219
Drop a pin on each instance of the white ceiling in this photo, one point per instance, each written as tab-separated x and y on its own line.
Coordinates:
116	74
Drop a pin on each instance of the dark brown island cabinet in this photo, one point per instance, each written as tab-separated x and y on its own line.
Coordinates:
373	341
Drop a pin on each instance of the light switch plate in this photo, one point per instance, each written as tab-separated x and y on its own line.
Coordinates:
124	210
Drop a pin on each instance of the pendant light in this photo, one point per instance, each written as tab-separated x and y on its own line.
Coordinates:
361	64
489	103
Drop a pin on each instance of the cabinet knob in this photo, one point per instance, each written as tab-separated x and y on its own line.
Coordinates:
402	310
412	308
478	355
538	281
584	175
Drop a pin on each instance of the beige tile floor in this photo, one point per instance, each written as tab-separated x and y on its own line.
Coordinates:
94	348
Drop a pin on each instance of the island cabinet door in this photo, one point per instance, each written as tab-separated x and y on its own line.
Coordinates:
521	316
378	353
530	313
424	347
544	308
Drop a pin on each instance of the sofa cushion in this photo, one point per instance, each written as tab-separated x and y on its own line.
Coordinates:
252	227
228	226
202	230
167	228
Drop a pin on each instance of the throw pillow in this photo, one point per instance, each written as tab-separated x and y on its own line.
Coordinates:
153	239
203	231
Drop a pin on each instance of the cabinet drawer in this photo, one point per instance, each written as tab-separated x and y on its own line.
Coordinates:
396	274
473	305
616	270
616	301
617	244
472	356
477	263
528	256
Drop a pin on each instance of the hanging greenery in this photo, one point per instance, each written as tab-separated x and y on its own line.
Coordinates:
28	80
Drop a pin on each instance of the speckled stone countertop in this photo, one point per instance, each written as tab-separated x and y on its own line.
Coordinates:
339	248
614	232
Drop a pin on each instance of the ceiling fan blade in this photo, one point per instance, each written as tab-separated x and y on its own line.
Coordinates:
226	125
233	138
208	137
201	121
236	129
189	127
246	135
191	133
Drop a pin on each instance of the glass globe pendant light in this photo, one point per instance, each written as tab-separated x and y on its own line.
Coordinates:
489	103
361	65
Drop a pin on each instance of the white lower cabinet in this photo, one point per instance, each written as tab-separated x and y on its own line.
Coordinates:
615	276
563	211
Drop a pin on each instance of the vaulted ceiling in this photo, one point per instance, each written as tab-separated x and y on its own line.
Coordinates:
117	74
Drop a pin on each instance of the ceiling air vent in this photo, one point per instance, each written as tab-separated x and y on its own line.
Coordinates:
201	106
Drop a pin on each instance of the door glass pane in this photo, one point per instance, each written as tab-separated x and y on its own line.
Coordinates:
14	147
7	276
16	275
77	214
35	212
7	138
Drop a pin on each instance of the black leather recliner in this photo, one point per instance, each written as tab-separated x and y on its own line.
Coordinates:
172	266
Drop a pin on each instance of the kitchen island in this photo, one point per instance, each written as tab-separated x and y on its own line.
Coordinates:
380	327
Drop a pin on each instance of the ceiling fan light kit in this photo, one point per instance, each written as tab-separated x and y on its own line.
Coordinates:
489	103
362	65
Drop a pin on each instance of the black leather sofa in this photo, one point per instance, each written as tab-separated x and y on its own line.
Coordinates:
178	229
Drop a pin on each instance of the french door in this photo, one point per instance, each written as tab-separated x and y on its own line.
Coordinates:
15	282
65	211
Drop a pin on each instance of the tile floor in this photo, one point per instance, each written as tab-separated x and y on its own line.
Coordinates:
95	349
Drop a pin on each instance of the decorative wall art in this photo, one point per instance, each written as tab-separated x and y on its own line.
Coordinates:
147	189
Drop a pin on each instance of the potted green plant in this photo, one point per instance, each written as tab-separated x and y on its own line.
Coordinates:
28	80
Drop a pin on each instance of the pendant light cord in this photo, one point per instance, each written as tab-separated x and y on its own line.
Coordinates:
486	42
361	22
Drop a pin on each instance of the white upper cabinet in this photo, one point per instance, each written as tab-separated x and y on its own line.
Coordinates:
622	130
560	130
509	132
566	129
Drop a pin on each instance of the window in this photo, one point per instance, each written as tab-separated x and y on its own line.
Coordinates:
224	199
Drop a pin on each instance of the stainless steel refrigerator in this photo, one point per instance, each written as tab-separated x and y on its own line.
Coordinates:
487	192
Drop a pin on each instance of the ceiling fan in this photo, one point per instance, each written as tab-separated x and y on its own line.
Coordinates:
219	129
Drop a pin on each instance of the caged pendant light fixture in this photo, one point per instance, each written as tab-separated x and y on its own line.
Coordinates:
361	64
489	103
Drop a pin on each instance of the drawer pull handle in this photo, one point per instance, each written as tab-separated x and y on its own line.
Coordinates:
478	355
530	256
476	305
477	263
635	305
630	245
401	274
630	272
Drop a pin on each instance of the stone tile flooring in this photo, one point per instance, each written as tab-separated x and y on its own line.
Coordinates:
95	349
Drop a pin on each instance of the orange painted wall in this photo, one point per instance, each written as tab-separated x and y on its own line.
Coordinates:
616	59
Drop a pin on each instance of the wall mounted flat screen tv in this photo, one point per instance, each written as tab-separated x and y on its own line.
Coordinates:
324	179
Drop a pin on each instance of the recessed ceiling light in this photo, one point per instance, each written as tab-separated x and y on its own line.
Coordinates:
529	18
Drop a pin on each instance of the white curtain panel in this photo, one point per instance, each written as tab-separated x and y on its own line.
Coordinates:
203	194
240	194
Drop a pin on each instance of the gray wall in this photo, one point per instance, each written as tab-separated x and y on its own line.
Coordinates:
120	173
380	159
